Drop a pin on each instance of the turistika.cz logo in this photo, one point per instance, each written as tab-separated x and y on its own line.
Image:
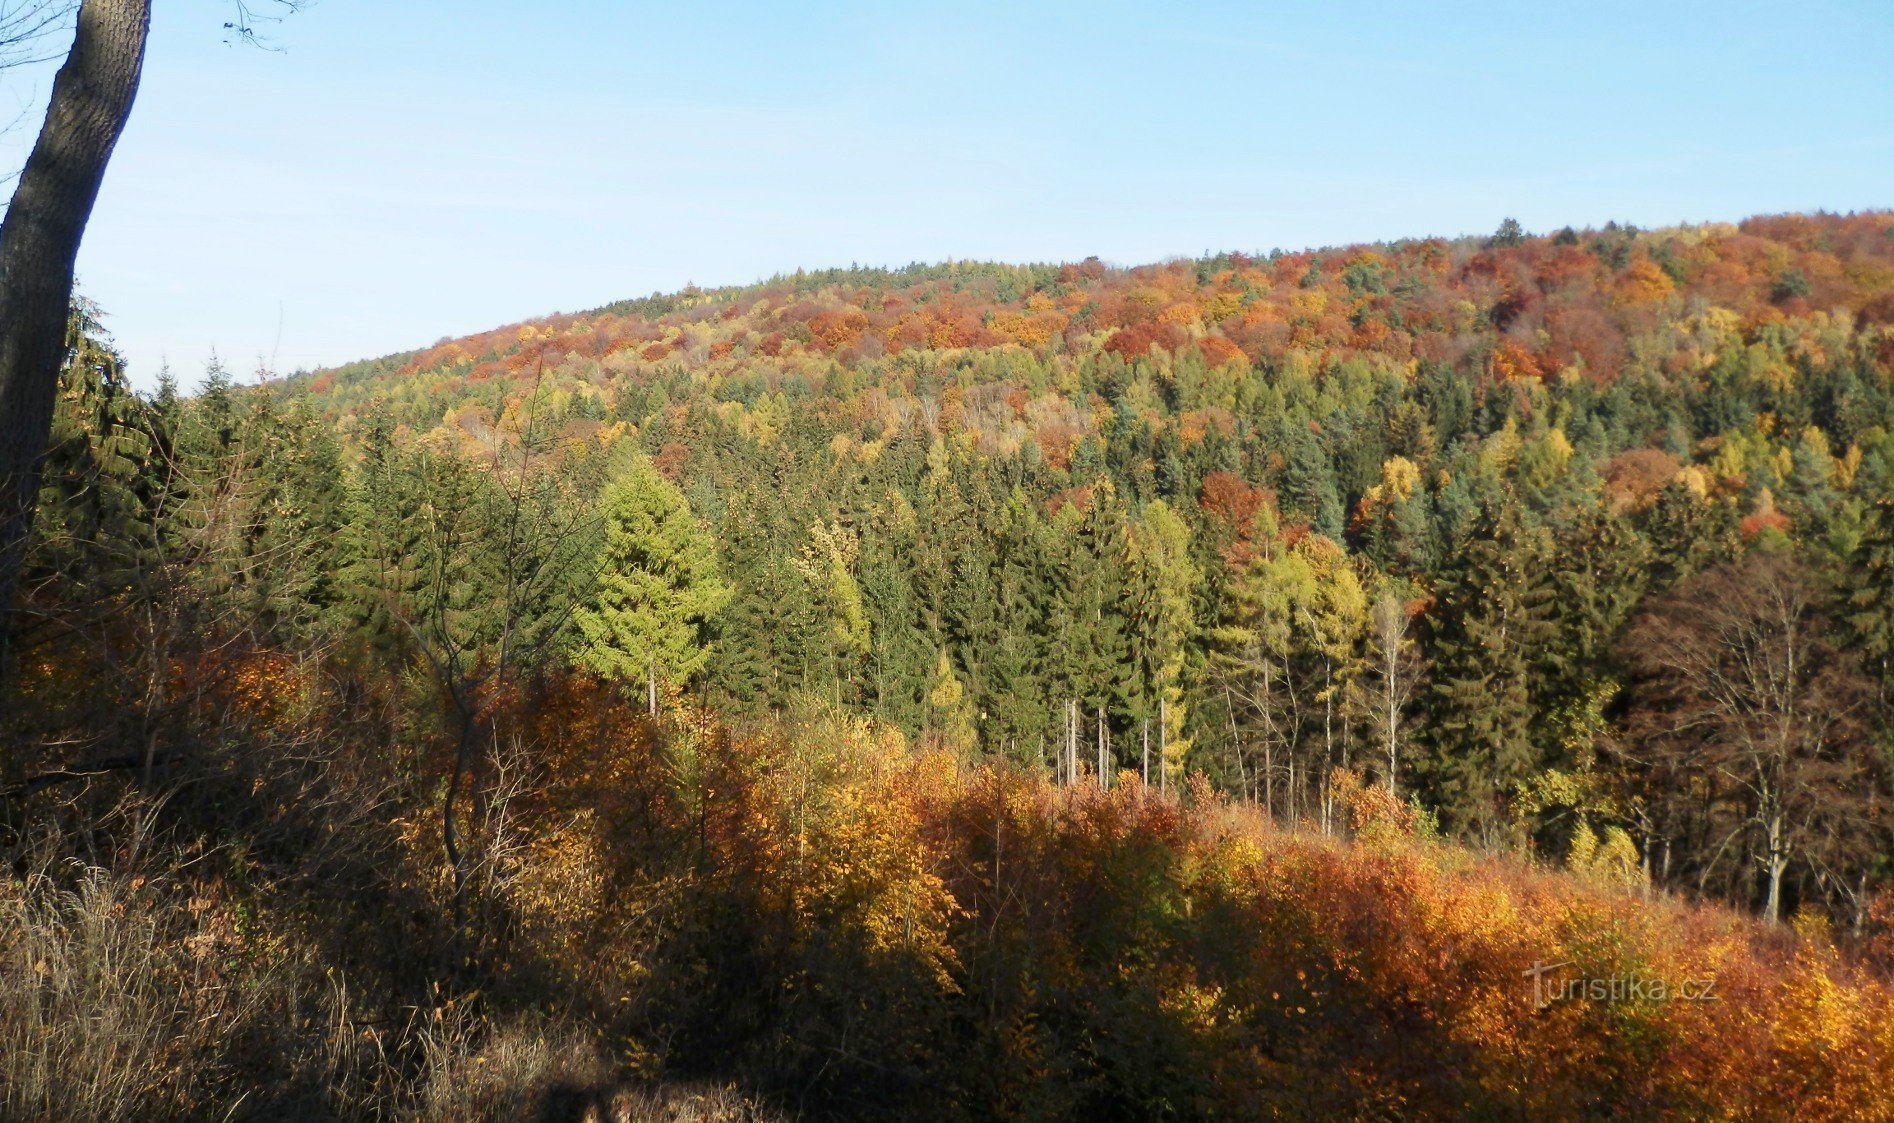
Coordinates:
1548	988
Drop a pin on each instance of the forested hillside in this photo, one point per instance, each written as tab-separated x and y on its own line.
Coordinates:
967	691
1435	510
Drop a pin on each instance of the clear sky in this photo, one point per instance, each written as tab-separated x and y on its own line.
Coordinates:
402	170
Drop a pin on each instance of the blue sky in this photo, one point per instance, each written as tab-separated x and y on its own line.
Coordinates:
399	172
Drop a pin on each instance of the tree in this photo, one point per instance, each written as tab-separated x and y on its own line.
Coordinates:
1286	653
91	100
1161	577
1742	695
1487	629
658	585
1255	659
947	709
95	533
39	241
473	569
1309	491
1394	667
1510	233
1088	653
1868	586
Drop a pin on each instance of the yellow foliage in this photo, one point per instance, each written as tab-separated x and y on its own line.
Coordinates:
1310	302
1643	282
1399	477
1181	314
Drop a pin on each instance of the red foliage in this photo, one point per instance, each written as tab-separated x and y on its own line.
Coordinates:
1136	342
1217	351
671	459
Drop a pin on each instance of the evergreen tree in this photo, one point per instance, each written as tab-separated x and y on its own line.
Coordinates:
1487	627
1089	650
94	534
1309	490
898	656
658	584
1687	533
1598	571
1868	592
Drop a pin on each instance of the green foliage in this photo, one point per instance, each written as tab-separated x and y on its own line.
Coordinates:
1868	589
658	586
1487	637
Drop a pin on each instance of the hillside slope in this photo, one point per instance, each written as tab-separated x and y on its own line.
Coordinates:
1596	304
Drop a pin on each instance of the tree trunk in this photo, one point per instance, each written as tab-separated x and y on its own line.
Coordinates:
1163	744
1774	864
39	240
1392	715
450	827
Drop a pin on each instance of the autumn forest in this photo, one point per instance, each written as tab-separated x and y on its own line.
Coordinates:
1207	689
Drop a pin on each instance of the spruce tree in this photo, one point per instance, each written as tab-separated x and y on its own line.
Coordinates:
658	585
898	655
1597	573
1309	490
1868	590
93	531
1488	623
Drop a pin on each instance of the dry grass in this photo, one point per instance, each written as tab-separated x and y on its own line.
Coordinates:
688	1104
475	1072
105	1012
112	1008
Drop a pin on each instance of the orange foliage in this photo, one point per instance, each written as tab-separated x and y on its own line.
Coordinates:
1511	361
1016	942
1643	282
1217	351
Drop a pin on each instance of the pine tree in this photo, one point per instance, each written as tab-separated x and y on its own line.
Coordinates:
658	585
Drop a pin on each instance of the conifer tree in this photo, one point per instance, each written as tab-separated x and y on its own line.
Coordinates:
1598	572
1089	655
1161	580
1868	589
658	585
947	707
898	657
1685	532
1488	623
1309	490
94	526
